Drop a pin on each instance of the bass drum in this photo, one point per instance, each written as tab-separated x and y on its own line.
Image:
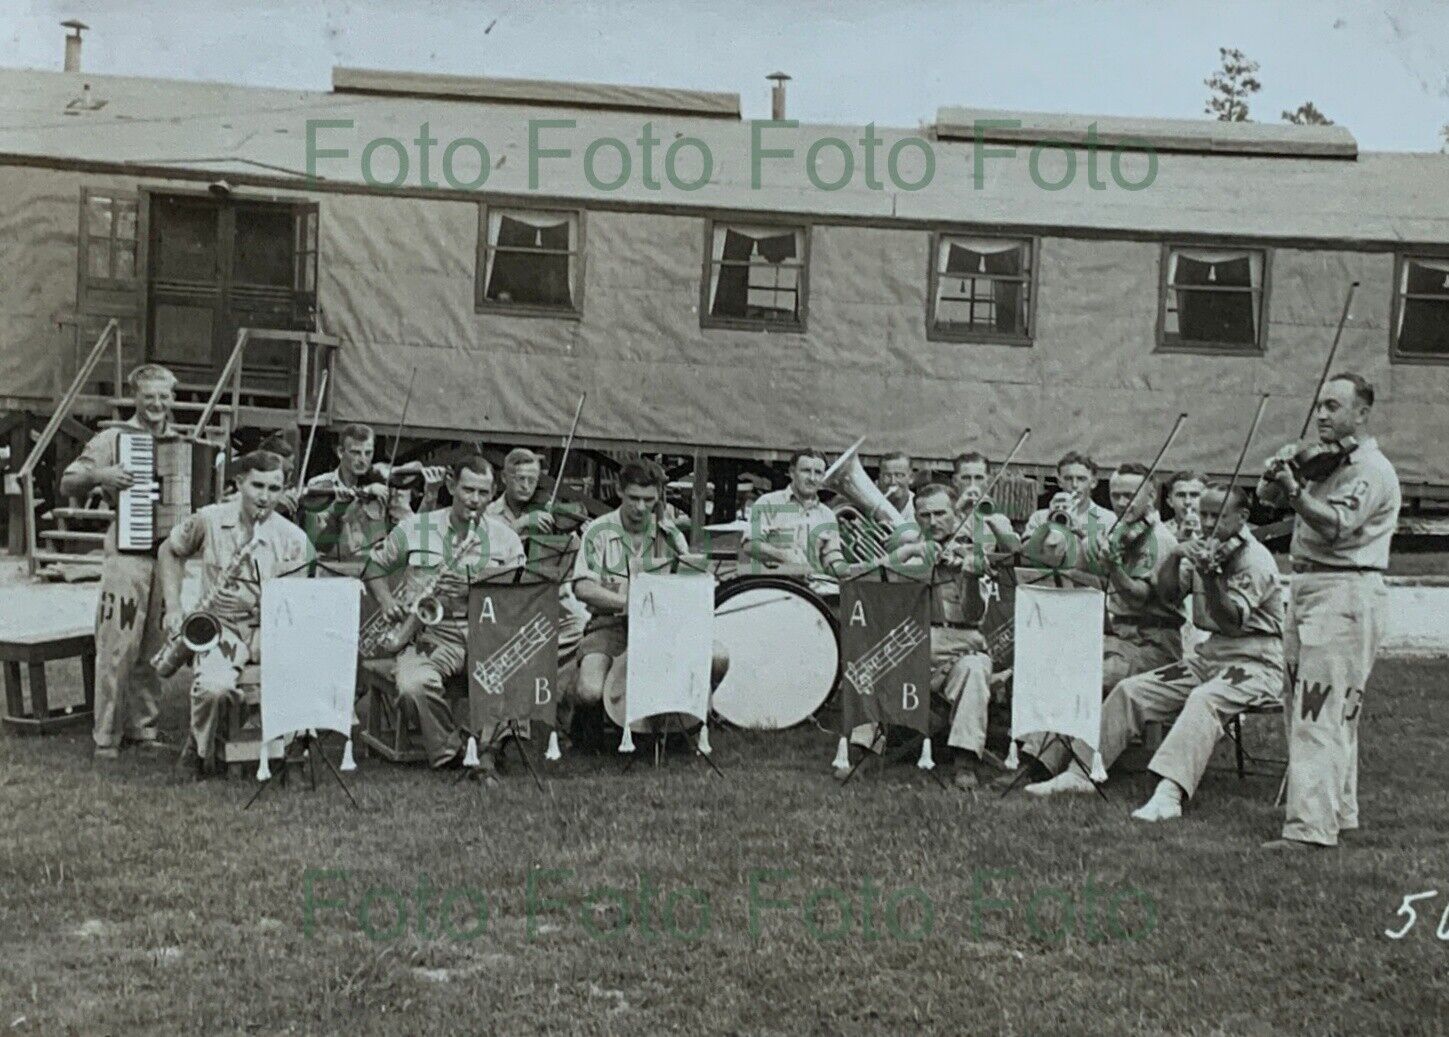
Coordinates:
784	647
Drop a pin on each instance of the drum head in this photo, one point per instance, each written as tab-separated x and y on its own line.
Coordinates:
784	652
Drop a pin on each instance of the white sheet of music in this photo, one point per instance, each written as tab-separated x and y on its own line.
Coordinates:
671	639
1058	664
309	654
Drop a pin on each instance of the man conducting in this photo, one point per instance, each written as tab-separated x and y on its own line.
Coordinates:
1340	549
456	545
1233	582
128	618
242	541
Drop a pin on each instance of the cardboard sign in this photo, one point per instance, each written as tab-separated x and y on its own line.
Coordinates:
885	641
512	653
309	654
1058	662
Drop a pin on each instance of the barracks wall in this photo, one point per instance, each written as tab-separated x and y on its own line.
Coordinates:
396	283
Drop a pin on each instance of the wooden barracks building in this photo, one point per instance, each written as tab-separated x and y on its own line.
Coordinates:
751	288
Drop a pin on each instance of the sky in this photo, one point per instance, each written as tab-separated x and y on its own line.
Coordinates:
1379	68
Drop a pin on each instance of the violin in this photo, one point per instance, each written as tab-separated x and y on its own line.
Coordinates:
1217	553
1318	461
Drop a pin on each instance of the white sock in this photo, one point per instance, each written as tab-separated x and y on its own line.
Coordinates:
1169	790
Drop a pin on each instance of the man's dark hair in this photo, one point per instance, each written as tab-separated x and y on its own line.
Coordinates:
1077	457
807	451
278	443
256	461
967	458
1363	389
895	455
1131	468
354	433
933	488
642	472
476	463
1185	476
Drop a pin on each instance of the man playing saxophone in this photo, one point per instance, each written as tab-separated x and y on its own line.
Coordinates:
448	548
242	542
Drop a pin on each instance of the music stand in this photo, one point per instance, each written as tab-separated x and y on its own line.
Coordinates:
497	740
1026	577
311	749
887	573
662	726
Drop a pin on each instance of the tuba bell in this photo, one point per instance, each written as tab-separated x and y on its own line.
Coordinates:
847	478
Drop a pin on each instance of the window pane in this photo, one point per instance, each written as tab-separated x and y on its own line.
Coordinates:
1424	327
185	235
1427	277
263	246
529	260
183	334
125	220
125	260
98	258
98	216
1213	295
756	273
982	285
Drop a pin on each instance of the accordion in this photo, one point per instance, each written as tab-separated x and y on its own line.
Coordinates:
174	477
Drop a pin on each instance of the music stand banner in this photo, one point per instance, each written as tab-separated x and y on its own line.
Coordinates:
309	654
1057	680
671	643
885	641
512	659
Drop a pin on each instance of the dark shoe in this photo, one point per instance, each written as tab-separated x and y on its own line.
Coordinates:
189	764
1035	772
150	745
1291	846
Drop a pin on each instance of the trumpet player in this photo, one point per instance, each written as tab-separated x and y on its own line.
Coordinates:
454	544
988	528
242	542
1184	492
1074	517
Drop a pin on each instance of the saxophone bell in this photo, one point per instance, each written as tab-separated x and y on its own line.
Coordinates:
200	631
428	610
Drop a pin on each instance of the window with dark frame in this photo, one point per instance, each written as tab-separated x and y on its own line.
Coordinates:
982	288
1421	328
1214	299
110	229
756	275
530	260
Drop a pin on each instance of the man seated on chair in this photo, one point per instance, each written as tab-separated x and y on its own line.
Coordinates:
612	541
1143	630
1055	534
362	507
792	526
455	545
1235	595
960	665
242	542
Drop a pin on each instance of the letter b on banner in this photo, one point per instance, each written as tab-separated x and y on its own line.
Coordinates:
512	661
887	657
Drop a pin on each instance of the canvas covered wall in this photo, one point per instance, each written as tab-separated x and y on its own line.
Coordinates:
397	285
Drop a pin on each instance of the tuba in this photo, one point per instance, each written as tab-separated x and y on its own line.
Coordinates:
869	522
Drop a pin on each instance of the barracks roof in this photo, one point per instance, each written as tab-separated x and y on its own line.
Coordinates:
1270	181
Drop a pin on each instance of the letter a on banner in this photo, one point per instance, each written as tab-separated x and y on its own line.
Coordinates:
888	658
512	653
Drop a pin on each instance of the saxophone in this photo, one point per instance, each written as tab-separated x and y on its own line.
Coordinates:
201	628
381	638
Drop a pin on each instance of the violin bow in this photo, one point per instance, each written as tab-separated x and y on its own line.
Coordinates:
397	434
1243	453
568	445
312	435
1328	363
1152	468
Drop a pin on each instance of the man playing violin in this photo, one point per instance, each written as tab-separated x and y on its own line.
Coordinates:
1346	513
353	505
1143	631
456	544
1233	583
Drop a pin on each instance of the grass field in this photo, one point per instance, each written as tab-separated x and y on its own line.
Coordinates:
134	903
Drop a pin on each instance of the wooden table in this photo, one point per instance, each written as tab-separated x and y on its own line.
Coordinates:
33	650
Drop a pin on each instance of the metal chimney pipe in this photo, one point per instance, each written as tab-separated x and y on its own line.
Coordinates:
777	96
73	44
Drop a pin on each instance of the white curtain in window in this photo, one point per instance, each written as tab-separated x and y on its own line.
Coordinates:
758	234
532	218
1255	261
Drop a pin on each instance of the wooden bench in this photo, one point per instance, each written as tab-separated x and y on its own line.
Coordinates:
33	650
385	731
240	743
